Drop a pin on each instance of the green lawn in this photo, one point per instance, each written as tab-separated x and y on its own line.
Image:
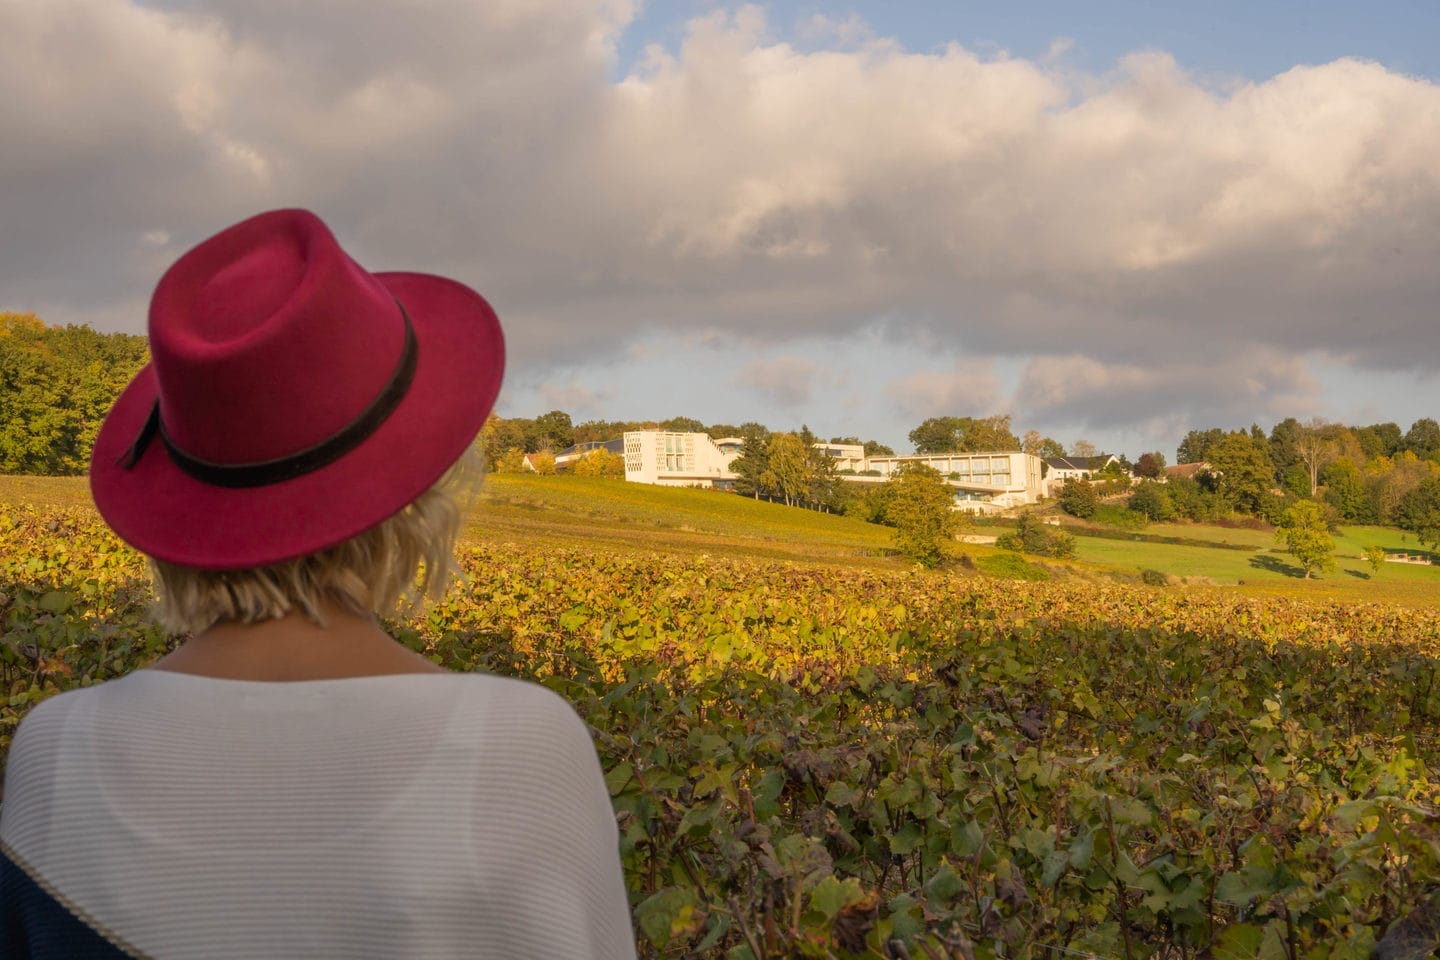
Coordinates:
1268	570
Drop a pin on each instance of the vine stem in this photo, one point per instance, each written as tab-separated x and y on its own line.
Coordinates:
1119	884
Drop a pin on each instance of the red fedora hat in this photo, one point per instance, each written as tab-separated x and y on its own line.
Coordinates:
292	401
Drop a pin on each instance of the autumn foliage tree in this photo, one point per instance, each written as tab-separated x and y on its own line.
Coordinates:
1304	535
921	508
56	384
600	463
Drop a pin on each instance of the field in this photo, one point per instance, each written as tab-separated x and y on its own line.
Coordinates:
815	750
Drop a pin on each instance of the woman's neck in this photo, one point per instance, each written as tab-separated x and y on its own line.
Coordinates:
294	648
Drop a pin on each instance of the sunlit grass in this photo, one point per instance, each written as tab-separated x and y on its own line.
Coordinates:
611	515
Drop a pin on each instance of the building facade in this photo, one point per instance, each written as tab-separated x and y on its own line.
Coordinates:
983	482
670	459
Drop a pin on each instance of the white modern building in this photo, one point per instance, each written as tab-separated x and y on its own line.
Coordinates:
847	457
677	459
983	482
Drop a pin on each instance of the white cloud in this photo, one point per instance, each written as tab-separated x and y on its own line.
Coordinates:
1087	392
784	381
575	398
969	389
1141	230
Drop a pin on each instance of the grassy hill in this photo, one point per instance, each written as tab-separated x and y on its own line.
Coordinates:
611	515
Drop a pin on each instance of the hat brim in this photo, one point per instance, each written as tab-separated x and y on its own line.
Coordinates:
167	514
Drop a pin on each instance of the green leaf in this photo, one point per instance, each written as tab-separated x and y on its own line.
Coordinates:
664	914
944	885
1053	868
830	895
905	915
1240	941
841	794
618	778
56	601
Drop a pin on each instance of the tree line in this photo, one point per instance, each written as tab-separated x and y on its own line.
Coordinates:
1364	474
56	385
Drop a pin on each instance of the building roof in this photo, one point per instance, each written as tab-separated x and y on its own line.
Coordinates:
1092	464
614	446
1186	469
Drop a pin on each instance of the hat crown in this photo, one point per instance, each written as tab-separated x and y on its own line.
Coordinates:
267	339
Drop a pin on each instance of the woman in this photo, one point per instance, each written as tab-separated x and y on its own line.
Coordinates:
291	781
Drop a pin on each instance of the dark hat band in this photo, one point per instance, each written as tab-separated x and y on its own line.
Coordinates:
324	453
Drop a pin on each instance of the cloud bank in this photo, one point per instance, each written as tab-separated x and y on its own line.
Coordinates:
1136	234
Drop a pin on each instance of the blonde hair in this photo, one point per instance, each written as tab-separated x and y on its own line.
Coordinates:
373	572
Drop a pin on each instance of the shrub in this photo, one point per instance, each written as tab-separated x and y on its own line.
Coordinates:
1033	536
1152	502
1154	578
1112	514
600	463
1078	499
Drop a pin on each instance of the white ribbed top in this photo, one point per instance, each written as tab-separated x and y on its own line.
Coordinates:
415	815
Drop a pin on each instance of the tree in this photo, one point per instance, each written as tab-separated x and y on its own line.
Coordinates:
921	509
874	448
56	385
1419	511
1282	446
682	425
1315	446
1042	447
938	435
1195	448
1151	500
511	460
600	463
1390	480
543	463
1423	438
1193	500
790	468
1296	481
551	431
1243	472
1375	556
1083	448
1304	535
964	435
1345	491
1078	498
1389	436
754	459
990	434
500	435
1150	465
821	483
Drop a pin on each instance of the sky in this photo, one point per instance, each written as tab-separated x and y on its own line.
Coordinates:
1113	221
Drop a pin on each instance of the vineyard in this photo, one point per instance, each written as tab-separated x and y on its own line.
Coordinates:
845	761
